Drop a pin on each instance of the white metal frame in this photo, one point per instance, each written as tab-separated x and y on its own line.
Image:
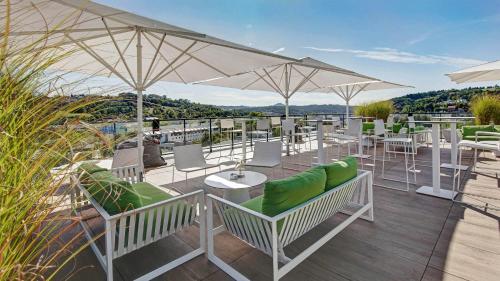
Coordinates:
475	146
354	198
408	149
118	226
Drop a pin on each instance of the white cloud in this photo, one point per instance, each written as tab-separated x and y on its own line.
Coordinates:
395	55
279	50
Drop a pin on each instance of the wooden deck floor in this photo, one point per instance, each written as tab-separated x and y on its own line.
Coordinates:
414	237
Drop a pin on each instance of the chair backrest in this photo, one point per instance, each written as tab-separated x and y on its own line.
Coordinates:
128	173
125	157
226	123
267	152
411	122
276	121
263	124
379	127
188	156
390	120
288	126
355	128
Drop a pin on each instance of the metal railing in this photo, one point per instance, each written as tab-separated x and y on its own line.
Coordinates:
206	130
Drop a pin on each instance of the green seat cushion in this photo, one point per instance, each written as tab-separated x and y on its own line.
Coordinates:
254	204
417	129
86	169
470	131
368	126
341	171
284	194
150	194
113	194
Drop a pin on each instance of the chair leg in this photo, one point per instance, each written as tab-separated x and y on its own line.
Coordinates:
383	159
406	150
414	167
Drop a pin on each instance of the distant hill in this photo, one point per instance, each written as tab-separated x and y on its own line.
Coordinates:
279	109
442	100
123	107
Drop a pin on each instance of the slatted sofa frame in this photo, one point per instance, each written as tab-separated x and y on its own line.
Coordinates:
120	241
354	198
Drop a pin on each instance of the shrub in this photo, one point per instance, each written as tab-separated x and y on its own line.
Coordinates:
486	109
39	130
379	110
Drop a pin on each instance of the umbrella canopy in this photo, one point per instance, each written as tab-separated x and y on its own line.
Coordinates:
485	72
101	40
348	91
286	79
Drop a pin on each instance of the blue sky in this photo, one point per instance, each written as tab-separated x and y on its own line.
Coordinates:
408	42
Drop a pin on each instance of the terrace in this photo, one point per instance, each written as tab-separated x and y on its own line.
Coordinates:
413	237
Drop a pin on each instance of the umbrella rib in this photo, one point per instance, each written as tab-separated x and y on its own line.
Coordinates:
194	57
274	82
277	90
126	48
360	90
119	52
164	72
257	80
303	75
97	57
163	57
341	95
155	56
305	80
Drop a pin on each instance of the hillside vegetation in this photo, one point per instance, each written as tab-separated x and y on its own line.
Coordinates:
123	106
436	101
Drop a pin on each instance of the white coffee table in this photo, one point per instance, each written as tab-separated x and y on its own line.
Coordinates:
235	190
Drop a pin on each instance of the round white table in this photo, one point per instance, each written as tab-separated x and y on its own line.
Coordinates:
235	190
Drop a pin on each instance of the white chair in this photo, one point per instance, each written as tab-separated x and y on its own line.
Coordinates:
379	134
262	129
189	158
266	154
352	134
492	146
390	122
407	145
276	123
120	235
227	126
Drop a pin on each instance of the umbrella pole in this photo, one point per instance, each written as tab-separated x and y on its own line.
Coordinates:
347	112
140	118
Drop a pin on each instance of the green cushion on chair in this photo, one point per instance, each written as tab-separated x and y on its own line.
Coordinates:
113	194
284	194
469	132
341	171
86	169
254	204
150	194
396	127
368	126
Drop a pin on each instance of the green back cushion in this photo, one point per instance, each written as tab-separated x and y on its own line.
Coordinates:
368	126
469	131
418	128
339	172
254	204
284	194
149	194
396	127
86	169
113	194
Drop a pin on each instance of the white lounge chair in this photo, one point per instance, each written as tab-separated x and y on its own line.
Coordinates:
272	234
133	229
189	158
492	146
266	154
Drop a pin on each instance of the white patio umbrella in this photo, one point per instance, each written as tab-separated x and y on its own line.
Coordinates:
104	41
286	79
484	72
348	91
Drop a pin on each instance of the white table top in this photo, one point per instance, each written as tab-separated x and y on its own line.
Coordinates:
221	180
455	117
